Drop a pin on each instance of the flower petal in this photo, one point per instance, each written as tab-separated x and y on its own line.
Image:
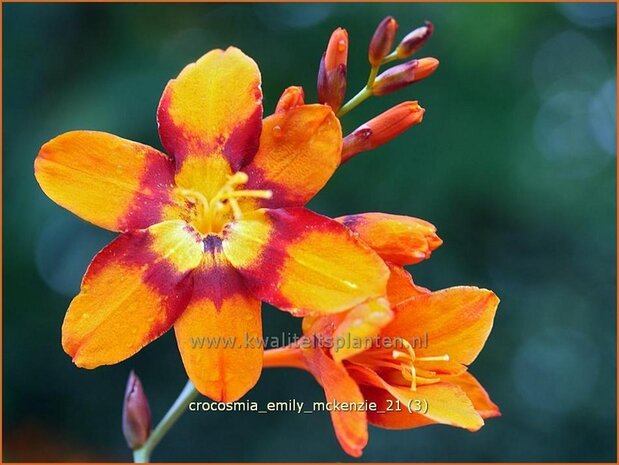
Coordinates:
475	391
358	328
389	412
403	240
295	259
133	291
213	106
220	334
299	152
441	403
292	97
401	287
112	182
351	426
457	320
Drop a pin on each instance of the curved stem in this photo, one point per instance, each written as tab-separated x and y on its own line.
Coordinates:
372	77
187	395
289	356
391	57
361	96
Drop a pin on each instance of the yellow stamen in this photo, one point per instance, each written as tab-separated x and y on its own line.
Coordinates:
439	358
236	210
410	372
212	213
258	194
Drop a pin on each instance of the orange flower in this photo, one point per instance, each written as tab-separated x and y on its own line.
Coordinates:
209	230
401	365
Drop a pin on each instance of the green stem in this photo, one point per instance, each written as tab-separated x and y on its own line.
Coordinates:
366	92
372	77
391	57
187	395
362	95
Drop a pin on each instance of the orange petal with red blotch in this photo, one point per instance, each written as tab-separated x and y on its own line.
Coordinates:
457	321
219	335
213	106
300	150
350	427
401	287
112	182
441	402
475	391
133	291
293	259
403	240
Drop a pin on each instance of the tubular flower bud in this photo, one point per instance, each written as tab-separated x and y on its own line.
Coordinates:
292	97
382	40
332	71
403	75
415	40
382	129
136	413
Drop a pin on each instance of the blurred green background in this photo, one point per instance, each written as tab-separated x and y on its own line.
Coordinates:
514	163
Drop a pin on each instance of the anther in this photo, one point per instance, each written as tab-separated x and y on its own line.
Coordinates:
238	178
257	194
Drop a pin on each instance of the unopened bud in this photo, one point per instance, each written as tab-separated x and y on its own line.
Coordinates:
382	129
382	40
332	71
292	97
136	413
403	75
415	40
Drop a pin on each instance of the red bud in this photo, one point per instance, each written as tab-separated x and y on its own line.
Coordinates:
292	97
332	71
382	129
136	413
382	41
415	40
403	75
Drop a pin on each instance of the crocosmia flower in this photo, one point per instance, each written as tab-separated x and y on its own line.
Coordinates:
209	229
409	358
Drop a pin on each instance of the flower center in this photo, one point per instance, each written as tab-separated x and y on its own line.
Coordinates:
209	215
403	361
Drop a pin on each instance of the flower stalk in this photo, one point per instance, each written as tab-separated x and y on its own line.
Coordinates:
378	55
187	395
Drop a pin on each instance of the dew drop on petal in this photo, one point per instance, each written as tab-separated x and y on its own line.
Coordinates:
277	131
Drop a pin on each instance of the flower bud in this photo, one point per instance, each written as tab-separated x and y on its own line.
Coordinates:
415	40
382	40
136	413
332	71
382	129
403	75
292	97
